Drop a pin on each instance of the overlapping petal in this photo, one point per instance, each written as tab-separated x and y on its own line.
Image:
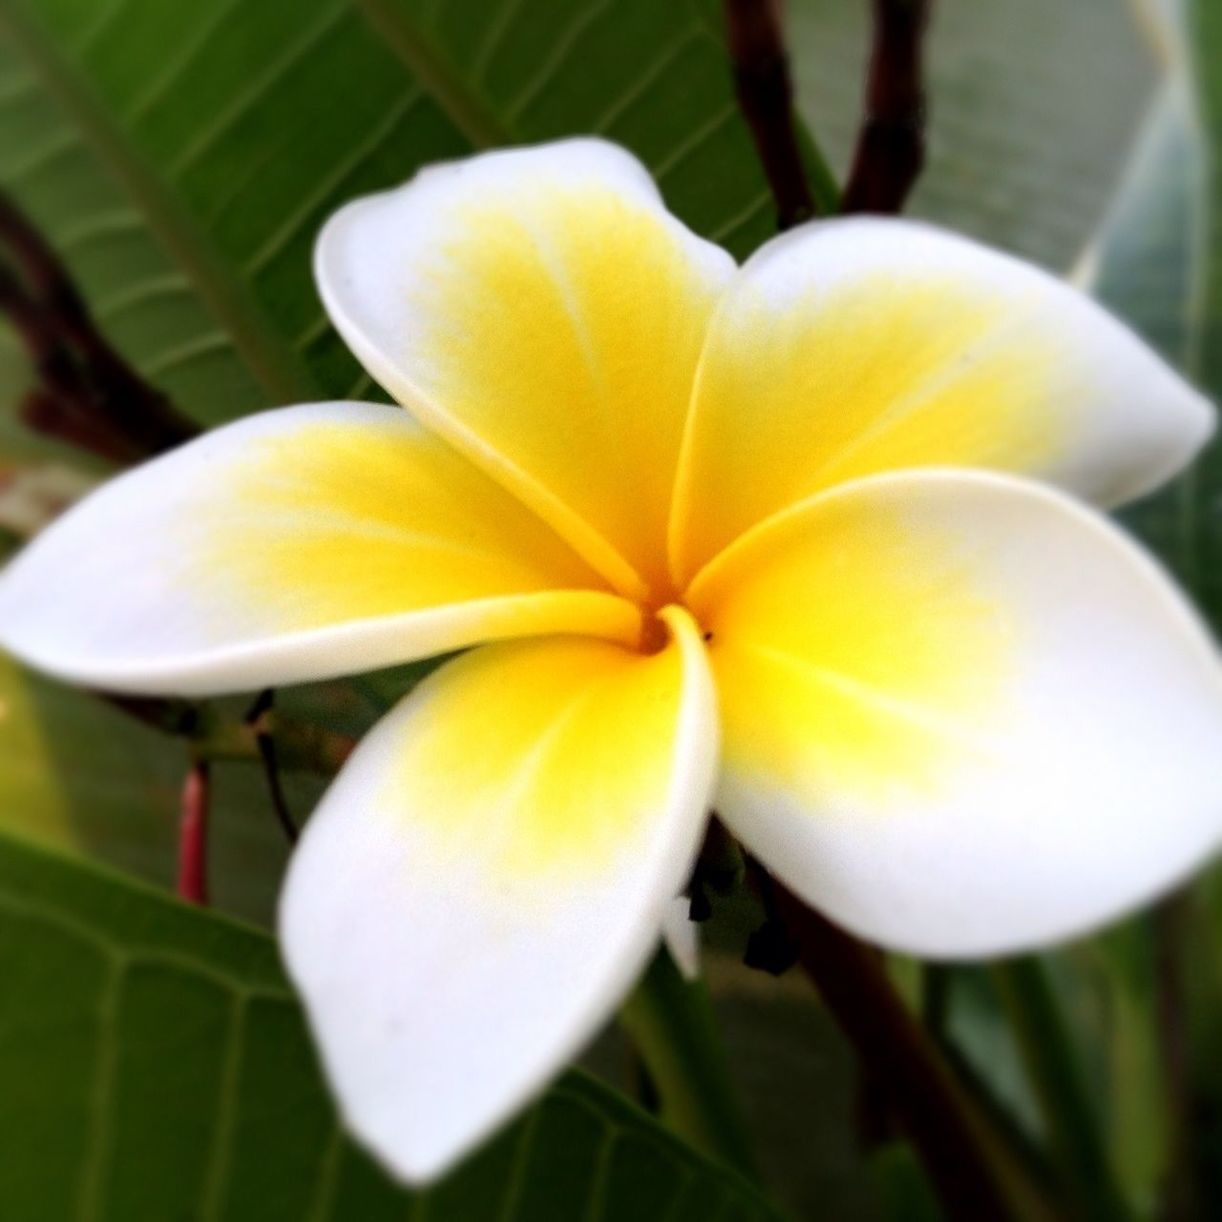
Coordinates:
961	714
298	544
488	875
541	309
852	347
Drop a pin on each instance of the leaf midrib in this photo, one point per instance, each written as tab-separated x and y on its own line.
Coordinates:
462	106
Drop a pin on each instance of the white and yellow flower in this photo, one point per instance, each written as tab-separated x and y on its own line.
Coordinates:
797	539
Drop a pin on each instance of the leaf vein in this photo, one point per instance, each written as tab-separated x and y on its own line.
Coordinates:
290	56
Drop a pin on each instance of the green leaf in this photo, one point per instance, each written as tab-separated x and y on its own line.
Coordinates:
155	1066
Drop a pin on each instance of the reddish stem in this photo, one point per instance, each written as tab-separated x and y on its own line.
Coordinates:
193	834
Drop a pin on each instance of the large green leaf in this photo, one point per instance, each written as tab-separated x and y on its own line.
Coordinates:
155	1066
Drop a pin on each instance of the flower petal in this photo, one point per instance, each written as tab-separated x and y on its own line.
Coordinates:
962	715
489	874
852	347
541	309
299	544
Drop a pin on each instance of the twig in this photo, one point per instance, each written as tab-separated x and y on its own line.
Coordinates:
193	833
59	406
259	720
88	395
891	145
765	96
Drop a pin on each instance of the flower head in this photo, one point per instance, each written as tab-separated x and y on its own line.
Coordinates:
797	539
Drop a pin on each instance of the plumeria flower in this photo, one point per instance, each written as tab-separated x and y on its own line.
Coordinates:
803	540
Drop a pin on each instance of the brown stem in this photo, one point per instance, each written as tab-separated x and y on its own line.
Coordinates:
193	833
59	405
897	1055
765	96
88	394
891	145
53	415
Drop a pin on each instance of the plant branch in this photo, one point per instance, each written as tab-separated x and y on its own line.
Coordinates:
765	96
970	1167
88	395
671	1023
891	144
